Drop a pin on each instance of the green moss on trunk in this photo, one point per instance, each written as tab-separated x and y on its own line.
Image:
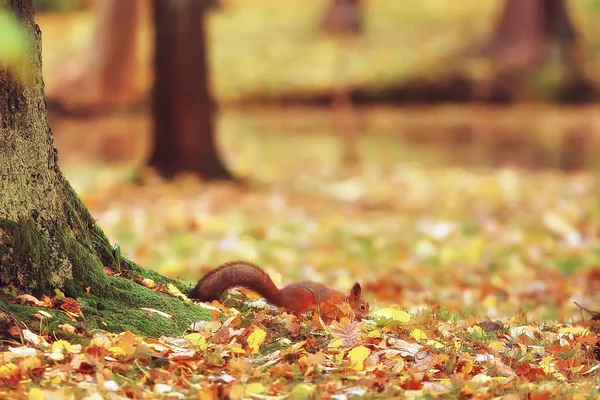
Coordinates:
112	304
119	314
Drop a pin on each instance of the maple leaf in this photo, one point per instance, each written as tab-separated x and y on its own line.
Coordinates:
349	332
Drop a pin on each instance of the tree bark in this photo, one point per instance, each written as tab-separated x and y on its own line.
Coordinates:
48	239
182	104
113	55
343	17
527	30
105	74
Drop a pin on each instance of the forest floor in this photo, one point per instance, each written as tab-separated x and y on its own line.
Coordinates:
473	276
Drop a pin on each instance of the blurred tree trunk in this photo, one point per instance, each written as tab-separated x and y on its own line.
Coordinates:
182	104
343	17
540	37
105	76
113	50
346	122
48	239
529	32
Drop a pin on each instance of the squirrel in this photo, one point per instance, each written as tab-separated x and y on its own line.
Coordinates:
296	298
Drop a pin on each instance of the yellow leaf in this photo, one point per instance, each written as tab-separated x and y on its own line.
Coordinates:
335	343
490	302
467	363
374	334
8	369
29	363
303	360
255	388
418	334
60	296
357	356
302	391
435	344
62	345
237	350
236	392
577	369
547	365
192	337
337	358
36	394
546	361
173	291
497	281
476	330
201	343
390	316
149	283
239	365
256	339
496	345
117	351
575	330
198	340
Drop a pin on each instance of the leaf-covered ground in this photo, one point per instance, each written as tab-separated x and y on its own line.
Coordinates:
472	277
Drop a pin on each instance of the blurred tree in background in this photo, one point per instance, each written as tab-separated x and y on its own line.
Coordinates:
343	20
343	16
535	35
103	76
182	103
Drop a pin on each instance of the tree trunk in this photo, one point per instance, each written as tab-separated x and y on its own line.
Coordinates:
343	20
48	239
528	30
535	50
105	74
183	108
113	50
343	17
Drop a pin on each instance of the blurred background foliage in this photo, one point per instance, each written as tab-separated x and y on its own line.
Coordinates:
274	51
390	153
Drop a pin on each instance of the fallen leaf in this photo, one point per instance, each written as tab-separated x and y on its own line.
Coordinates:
256	339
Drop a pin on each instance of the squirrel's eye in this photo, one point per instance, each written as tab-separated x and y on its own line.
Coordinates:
363	307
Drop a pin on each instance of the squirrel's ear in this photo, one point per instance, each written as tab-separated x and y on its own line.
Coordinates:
355	291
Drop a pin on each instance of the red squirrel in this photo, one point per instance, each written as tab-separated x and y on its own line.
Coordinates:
296	298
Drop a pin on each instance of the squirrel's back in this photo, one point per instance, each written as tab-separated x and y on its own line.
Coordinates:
232	274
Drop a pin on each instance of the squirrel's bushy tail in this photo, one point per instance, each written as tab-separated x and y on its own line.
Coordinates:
235	273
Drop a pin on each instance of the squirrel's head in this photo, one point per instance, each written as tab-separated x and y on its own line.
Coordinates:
358	304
